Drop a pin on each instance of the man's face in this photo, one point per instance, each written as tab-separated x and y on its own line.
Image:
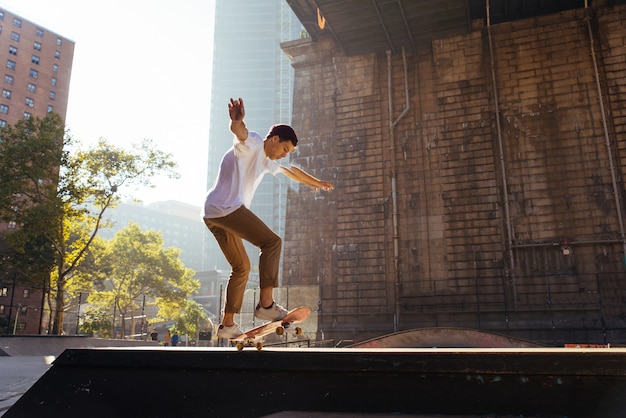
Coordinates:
275	149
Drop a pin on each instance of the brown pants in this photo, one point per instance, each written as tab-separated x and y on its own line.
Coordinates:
230	231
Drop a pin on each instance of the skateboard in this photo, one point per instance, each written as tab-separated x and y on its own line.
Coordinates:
254	337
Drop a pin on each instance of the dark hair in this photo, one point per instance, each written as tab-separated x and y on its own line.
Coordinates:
285	132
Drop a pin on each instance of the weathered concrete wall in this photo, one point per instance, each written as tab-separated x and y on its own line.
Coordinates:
484	210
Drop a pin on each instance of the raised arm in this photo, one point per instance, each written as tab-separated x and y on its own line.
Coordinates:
305	178
237	112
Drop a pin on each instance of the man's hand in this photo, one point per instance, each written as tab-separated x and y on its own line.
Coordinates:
236	110
324	185
305	178
237	125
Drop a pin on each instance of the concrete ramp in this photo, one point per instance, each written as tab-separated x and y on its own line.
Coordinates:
206	382
446	337
54	345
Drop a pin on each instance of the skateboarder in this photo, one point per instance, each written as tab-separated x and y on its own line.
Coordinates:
228	217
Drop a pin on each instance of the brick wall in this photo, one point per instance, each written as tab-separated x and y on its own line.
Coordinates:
471	252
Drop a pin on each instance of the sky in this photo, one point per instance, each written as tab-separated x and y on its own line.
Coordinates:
141	70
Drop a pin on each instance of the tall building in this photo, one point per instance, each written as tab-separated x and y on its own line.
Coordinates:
249	63
37	67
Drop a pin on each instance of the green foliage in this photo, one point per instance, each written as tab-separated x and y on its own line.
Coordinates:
97	322
31	152
192	320
133	264
57	198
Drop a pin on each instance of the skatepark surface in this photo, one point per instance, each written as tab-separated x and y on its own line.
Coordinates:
458	382
24	359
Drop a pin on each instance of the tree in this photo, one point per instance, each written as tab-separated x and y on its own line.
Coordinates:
191	320
31	153
97	321
134	264
57	198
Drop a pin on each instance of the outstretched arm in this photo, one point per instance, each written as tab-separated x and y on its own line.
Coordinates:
303	177
236	112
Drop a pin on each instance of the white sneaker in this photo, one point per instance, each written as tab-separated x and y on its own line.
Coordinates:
230	332
273	313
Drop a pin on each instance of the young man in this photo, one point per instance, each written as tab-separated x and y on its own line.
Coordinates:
227	215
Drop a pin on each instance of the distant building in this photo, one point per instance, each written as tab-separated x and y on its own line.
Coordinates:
36	79
212	285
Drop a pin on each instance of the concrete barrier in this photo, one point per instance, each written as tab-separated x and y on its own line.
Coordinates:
203	382
448	337
54	345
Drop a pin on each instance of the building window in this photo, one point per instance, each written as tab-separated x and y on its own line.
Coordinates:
4	109
39	33
26	293
6	93
12	50
31	87
27	115
35	59
17	23
4	292
50	108
11	65
52	95
54	81
1	309
59	42
37	46
8	79
55	68
57	54
30	102
15	36
1	15
3	123
34	73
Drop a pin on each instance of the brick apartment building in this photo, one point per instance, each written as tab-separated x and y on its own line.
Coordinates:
36	78
478	167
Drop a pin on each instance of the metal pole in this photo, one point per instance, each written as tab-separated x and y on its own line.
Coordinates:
143	317
113	322
19	307
507	212
80	297
607	139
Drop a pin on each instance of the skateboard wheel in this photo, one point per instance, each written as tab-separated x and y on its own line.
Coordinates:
298	331
280	330
259	345
239	346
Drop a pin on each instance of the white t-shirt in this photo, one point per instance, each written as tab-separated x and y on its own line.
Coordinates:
241	170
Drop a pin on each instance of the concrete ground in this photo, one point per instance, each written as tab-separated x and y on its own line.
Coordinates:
18	375
24	359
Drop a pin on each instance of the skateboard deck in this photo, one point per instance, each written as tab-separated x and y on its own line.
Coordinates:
254	337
